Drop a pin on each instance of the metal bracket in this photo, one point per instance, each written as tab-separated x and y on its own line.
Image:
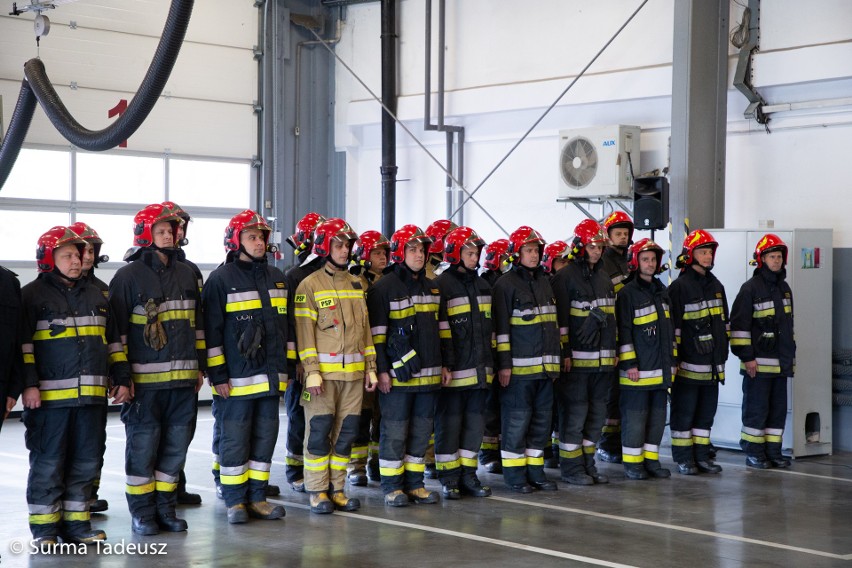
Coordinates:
742	75
625	204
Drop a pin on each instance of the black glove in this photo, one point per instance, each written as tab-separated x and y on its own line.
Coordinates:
590	332
404	360
56	329
250	343
767	341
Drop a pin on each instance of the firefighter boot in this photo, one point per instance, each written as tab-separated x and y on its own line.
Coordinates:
265	510
654	469
423	496
237	514
396	499
81	532
344	503
321	504
591	470
470	484
635	471
574	471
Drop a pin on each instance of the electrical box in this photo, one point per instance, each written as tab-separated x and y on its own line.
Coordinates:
808	430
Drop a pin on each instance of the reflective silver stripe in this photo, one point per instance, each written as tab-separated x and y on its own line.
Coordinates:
585	354
695	307
74	505
115	348
741	334
503	338
259	466
446	457
522	313
547	309
390	464
607	352
681	434
650	374
443	324
467	454
717	303
136	480
511	455
775	431
569	447
786	302
580	304
243	296
604	302
379	330
701	433
464	373
631	451
413	459
563	331
651	448
527	361
695	368
763	306
179	365
199	334
167	306
215	352
626	348
457	302
400	304
94	380
752	431
277	293
529	452
80	321
768	362
27	348
160	476
44	509
249	381
233	470
644	311
483	300
340	358
425	299
59	384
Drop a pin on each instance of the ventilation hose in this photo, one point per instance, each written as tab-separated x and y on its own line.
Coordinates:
17	131
37	83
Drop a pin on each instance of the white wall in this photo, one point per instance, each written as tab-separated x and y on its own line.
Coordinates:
508	60
207	104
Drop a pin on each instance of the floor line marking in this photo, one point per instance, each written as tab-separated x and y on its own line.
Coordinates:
468	536
690	530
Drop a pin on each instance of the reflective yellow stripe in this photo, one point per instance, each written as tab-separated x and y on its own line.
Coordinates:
391	471
139	489
249	389
627	458
258	475
535	460
462	309
681	441
243	306
645	319
165	486
752	439
164	316
233	479
76	516
646	382
534	321
216	361
59	394
49	519
84	330
164	377
341	368
514	462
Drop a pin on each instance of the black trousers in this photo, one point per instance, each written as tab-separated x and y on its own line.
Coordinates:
248	429
65	452
692	414
490	447
159	424
295	432
459	423
764	416
526	407
407	422
643	415
582	406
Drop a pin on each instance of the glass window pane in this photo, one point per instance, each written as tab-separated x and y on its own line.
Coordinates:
115	230
23	228
211	184
119	179
40	174
206	240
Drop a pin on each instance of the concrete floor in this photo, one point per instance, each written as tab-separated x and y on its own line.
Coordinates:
796	517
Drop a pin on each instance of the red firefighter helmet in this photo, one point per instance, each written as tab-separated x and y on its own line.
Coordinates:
329	230
523	236
769	243
367	242
144	221
301	239
457	239
551	251
696	239
248	219
496	255
91	237
437	231
589	231
53	239
180	212
641	246
619	219
404	236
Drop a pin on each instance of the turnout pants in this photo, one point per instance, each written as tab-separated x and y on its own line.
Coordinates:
692	414
643	415
611	433
407	421
248	430
526	406
764	416
65	452
331	420
295	431
214	410
361	444
159	424
489	450
459	423
582	405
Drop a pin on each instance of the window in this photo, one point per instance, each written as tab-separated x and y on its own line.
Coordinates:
22	230
210	184
114	178
206	239
116	231
40	174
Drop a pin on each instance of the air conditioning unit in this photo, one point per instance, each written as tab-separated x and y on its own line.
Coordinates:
593	162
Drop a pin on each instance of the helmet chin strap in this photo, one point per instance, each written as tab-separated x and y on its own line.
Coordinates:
66	277
261	258
339	266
